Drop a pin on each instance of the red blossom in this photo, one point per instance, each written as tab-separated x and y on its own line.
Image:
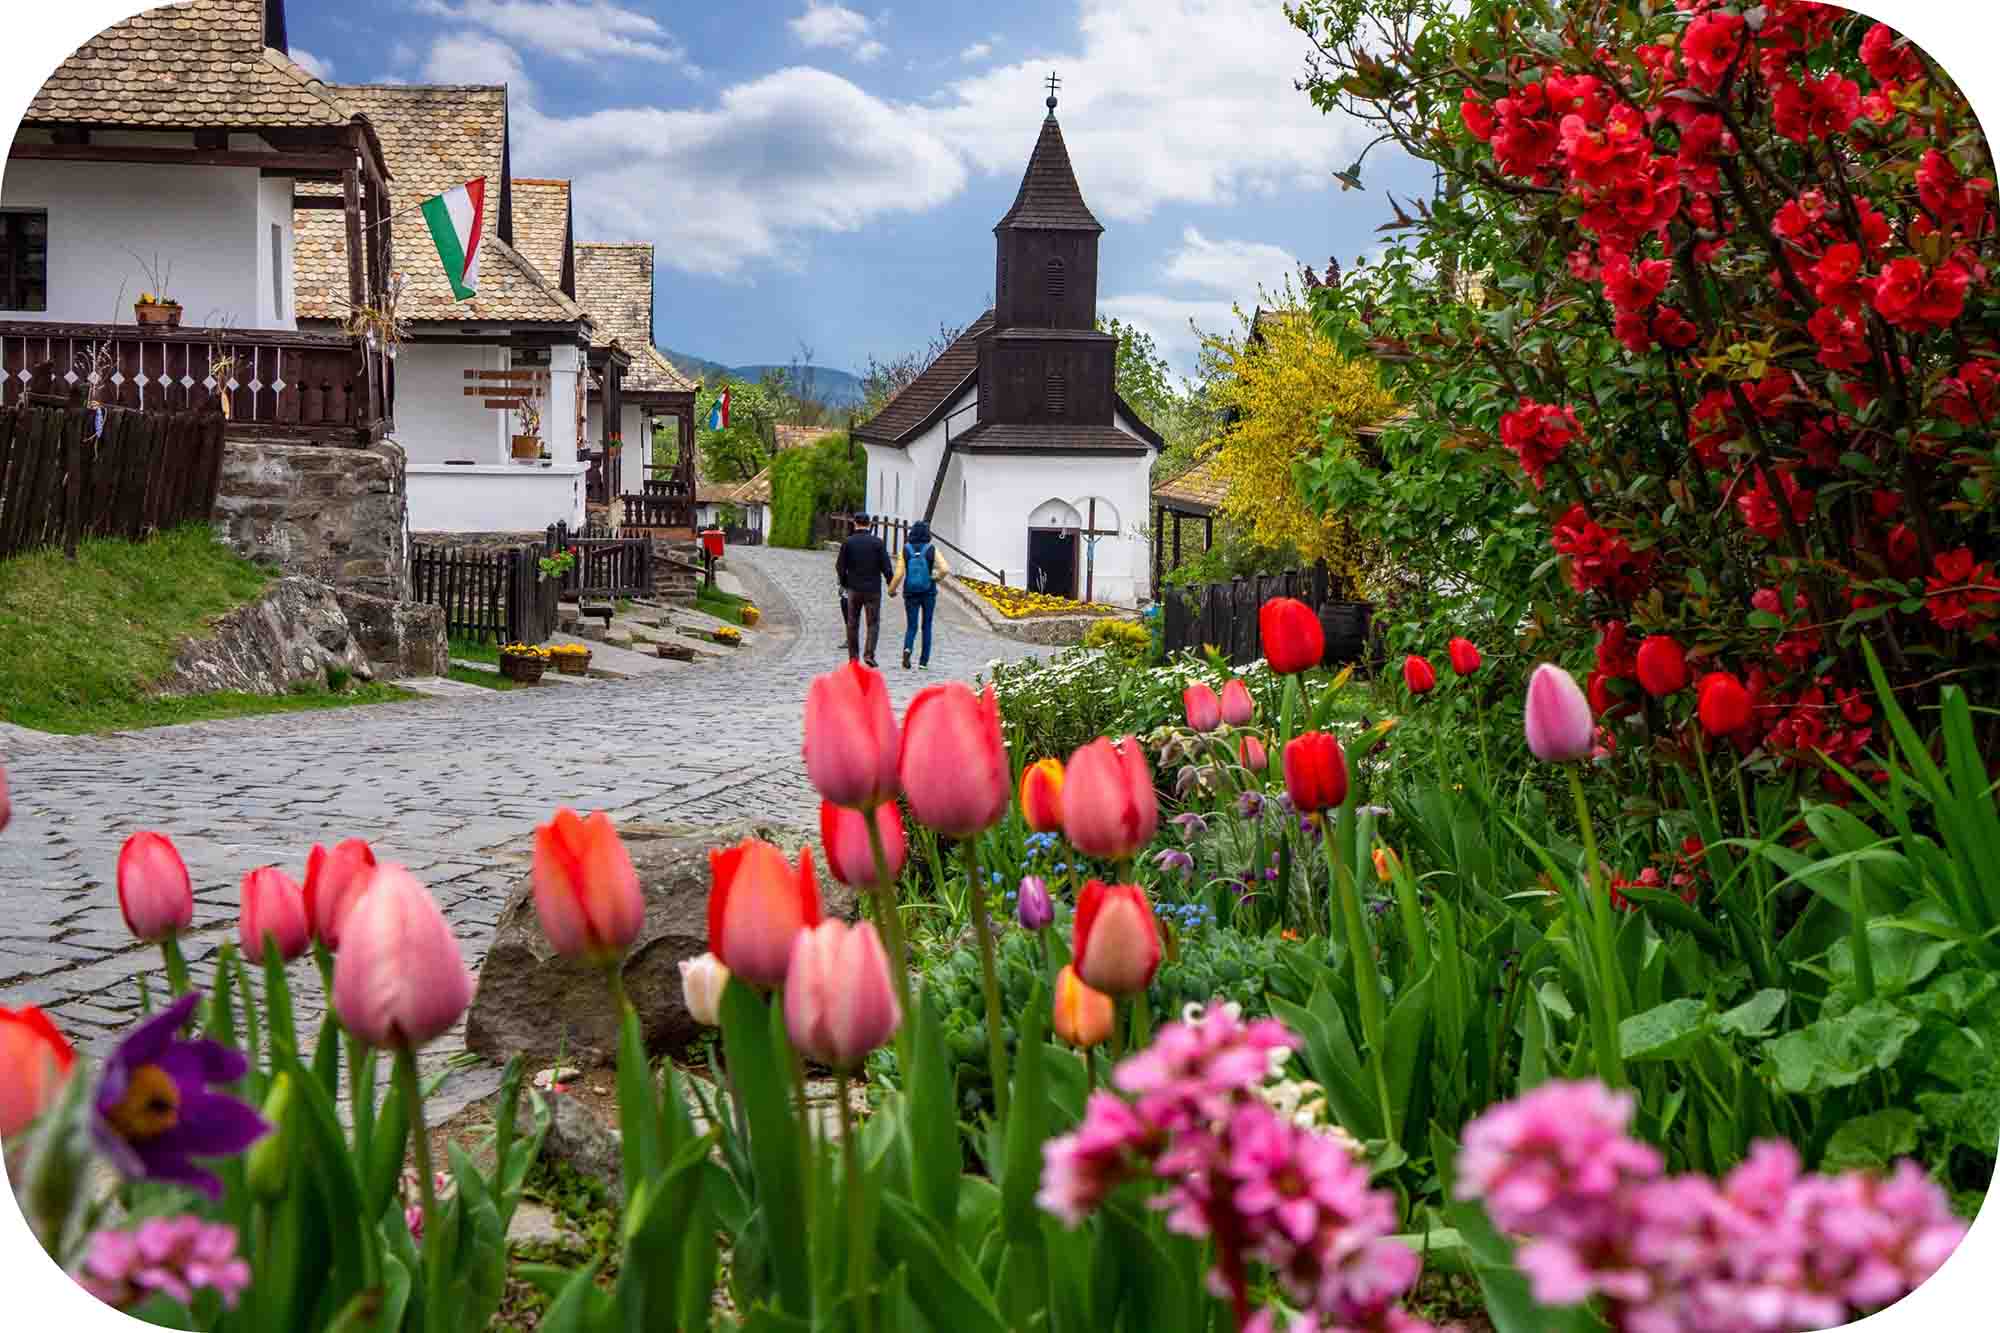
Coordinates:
1760	510
1600	559
1956	201
1709	46
1815	108
1918	299
1525	136
1968	396
1477	113
1836	279
1962	592
1631	287
1712	425
1537	433
1890	57
1843	341
1617	656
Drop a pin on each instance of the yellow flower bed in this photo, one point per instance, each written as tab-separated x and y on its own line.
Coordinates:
1021	603
724	634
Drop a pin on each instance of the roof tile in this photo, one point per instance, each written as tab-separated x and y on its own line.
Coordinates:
940	381
1049	196
614	281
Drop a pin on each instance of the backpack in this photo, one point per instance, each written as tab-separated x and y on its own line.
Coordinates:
918	577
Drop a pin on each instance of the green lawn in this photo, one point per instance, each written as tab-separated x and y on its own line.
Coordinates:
492	680
475	650
722	605
80	641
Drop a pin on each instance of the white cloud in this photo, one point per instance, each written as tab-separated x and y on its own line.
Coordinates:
829	24
575	30
1223	274
977	51
798	150
401	54
312	64
475	58
1228	268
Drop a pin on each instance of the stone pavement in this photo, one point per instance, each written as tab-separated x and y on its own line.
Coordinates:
449	786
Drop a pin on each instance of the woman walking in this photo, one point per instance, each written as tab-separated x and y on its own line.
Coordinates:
919	570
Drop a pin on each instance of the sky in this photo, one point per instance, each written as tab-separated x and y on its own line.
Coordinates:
816	173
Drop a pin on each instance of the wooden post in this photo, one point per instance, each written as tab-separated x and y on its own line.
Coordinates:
1208	537
357	282
1177	539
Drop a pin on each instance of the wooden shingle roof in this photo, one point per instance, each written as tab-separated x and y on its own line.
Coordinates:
542	228
1196	490
1050	198
614	281
757	490
910	410
1025	437
796	437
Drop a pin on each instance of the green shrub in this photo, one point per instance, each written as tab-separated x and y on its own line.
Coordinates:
819	478
1127	638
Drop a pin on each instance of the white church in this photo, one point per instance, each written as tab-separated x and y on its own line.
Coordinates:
1014	443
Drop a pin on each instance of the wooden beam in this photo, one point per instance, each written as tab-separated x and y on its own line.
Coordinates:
211	139
317	201
187	157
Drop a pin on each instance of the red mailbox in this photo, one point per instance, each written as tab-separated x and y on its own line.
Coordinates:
711	540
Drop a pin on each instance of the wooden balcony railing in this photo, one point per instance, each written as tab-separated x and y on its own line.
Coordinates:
315	385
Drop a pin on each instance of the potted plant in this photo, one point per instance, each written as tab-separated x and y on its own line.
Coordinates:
528	442
154	306
571	659
523	662
559	564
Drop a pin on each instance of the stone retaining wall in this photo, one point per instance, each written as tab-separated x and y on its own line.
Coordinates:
335	514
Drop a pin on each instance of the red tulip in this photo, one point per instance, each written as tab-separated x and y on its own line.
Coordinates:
953	765
1465	658
1558	718
1041	795
850	857
1663	667
1082	1017
35	1061
1315	772
1204	710
1116	943
334	879
851	738
272	906
153	888
1238	708
1292	637
1418	674
757	905
586	891
1722	704
839	1001
1250	753
1109	807
399	980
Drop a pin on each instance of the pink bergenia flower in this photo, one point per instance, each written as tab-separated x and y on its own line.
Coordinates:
1080	1168
1551	1163
1192	1071
177	1256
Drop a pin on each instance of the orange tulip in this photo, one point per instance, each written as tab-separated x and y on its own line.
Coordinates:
400	979
757	905
839	1003
851	742
586	891
1109	807
1116	942
153	888
843	836
1083	1016
334	879
272	906
953	766
35	1061
1041	795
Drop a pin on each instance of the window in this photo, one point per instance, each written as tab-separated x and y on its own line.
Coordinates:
24	259
1055	286
1055	390
277	271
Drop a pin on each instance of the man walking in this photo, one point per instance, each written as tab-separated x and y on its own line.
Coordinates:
862	565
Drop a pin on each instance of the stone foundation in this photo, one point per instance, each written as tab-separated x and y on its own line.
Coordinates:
479	543
332	513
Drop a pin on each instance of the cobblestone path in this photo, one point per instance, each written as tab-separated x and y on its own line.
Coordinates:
449	787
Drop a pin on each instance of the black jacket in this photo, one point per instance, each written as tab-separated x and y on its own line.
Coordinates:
863	564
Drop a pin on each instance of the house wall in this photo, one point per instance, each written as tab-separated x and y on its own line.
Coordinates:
277	306
204	221
435	420
1010	488
495	497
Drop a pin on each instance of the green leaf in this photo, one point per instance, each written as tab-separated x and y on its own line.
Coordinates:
1753	1018
641	1148
1664	1032
1873	1140
650	1273
1509	1303
940	1288
581	1305
933	1125
1839	1052
762	1070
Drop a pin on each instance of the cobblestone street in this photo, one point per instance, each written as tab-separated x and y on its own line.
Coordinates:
450	788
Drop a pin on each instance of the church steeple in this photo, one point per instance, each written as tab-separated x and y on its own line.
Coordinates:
1046	245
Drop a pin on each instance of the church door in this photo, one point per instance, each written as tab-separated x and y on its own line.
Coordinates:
1052	561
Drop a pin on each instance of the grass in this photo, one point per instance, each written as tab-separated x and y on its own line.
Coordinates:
722	605
475	650
82	641
492	680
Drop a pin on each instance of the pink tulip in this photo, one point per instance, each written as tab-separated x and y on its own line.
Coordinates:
757	904
850	857
586	891
839	1002
334	879
1204	710
399	980
953	767
272	905
1558	717
851	743
1238	708
1115	940
1109	807
153	888
1251	754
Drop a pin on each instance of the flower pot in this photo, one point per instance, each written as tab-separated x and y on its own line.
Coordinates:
1345	625
527	447
572	664
523	667
751	615
159	313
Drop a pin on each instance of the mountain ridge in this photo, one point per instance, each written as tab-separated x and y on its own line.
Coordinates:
834	387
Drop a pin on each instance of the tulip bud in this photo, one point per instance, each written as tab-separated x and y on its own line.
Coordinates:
399	979
153	888
1385	864
272	906
1204	710
1251	754
35	1062
1291	634
1663	668
850	857
1082	1017
1041	795
1465	658
953	765
851	740
586	891
1109	807
1315	772
1033	909
1418	675
839	1002
703	980
269	1165
1558	721
1116	941
757	905
1722	703
334	879
1238	708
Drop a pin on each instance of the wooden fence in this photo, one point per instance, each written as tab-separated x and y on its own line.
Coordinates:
606	566
1225	615
499	595
70	471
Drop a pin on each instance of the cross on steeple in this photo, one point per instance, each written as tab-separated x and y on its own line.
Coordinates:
1054	83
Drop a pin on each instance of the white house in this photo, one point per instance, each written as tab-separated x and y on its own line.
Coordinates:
463	360
161	159
1014	443
614	281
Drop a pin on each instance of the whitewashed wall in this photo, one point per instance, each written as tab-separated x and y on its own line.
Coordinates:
500	497
435	420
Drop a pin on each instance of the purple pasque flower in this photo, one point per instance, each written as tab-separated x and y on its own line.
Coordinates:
1173	858
154	1113
1250	804
1034	910
177	1256
1192	825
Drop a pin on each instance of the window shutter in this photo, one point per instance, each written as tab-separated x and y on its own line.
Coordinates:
1055	392
1055	286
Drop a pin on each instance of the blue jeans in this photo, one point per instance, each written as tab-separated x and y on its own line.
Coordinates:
915	605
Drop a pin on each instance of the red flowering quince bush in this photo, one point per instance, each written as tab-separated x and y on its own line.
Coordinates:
1724	301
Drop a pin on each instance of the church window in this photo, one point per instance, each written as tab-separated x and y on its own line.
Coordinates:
1054	393
1055	286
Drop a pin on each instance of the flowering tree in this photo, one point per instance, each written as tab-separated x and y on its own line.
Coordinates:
1731	320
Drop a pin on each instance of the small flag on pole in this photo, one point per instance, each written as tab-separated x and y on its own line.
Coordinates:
718	414
455	219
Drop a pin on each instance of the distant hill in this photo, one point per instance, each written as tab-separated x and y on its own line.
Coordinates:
835	388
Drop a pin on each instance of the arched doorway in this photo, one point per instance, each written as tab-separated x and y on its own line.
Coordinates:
1054	551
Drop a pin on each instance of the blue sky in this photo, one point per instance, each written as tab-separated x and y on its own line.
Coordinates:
819	172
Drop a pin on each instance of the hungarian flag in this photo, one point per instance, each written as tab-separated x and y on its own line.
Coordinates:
718	414
455	219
